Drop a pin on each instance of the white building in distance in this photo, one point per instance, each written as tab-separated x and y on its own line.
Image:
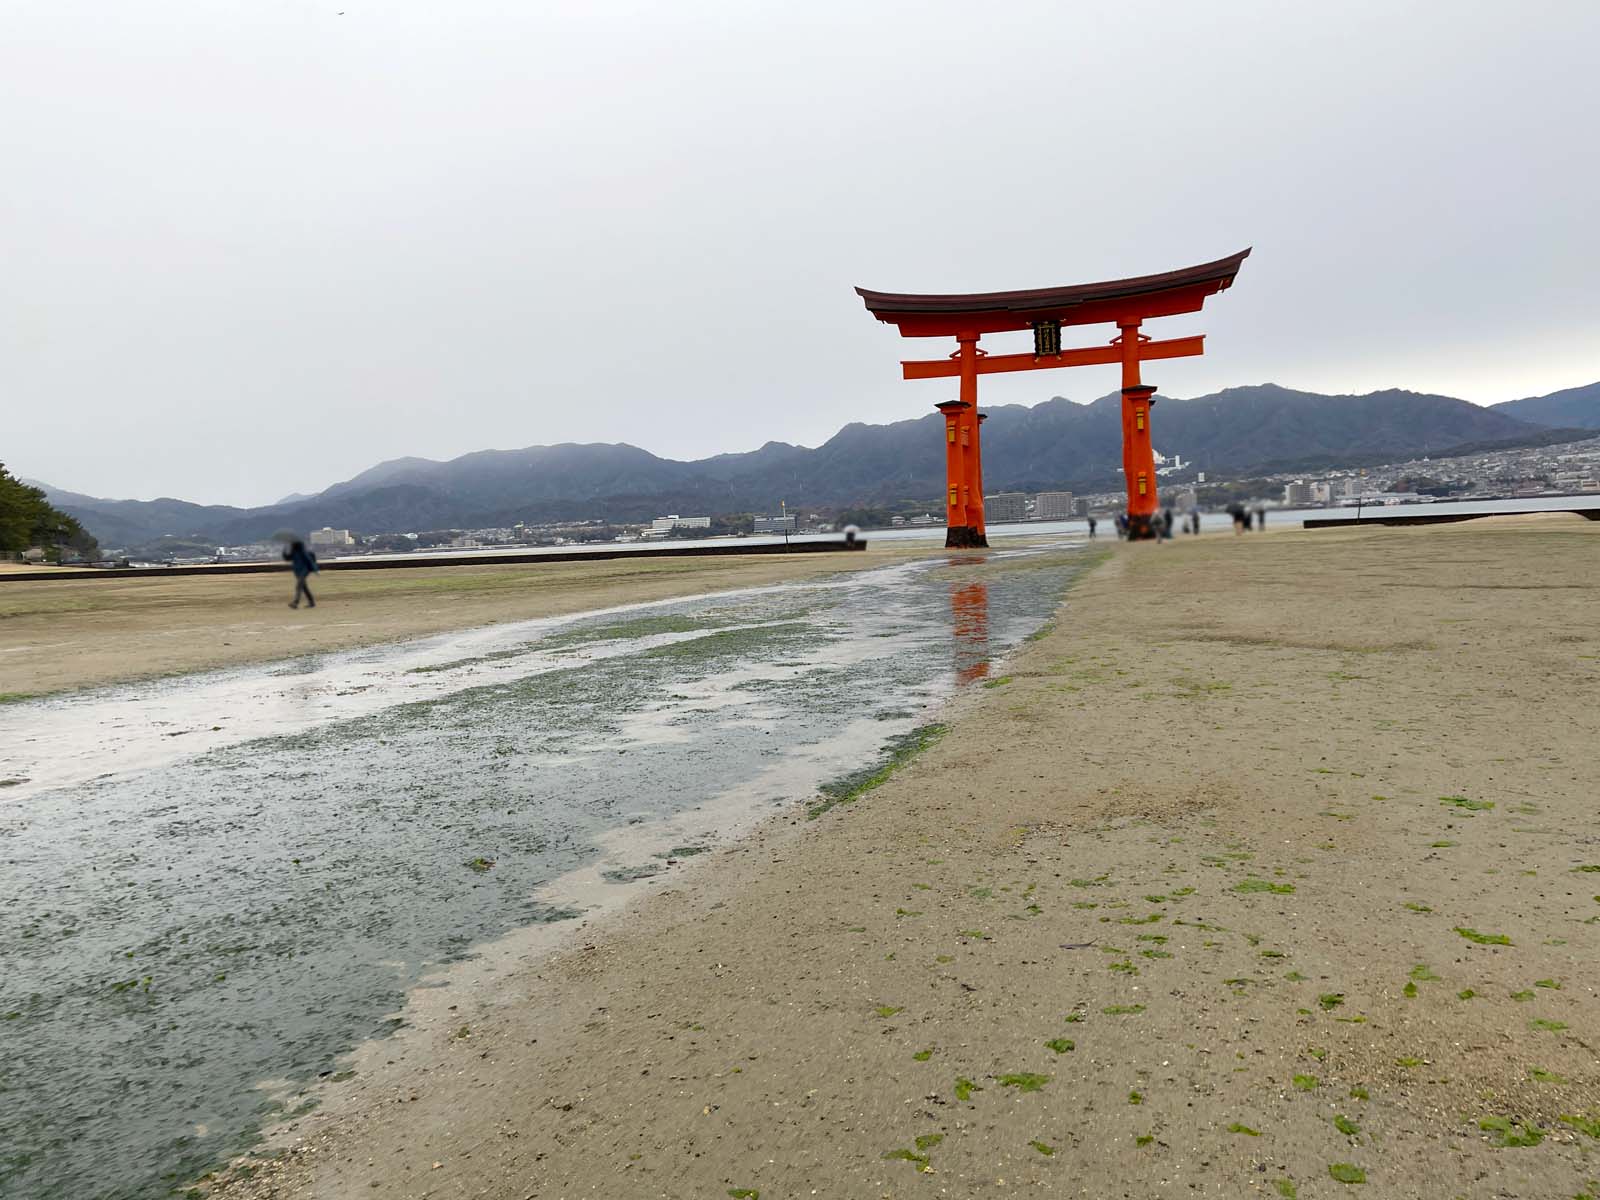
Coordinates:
1005	506
662	526
1053	506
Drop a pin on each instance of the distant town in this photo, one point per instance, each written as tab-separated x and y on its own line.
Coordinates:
1563	469
1569	468
331	542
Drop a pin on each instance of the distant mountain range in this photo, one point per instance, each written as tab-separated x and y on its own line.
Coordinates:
1577	408
1057	444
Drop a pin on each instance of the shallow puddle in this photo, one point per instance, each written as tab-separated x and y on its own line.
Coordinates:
215	886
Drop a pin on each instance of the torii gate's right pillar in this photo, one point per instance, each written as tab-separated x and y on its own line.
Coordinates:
1138	455
973	483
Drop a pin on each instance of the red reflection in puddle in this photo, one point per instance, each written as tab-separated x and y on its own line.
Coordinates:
969	612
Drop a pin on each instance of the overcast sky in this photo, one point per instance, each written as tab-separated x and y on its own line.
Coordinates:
253	248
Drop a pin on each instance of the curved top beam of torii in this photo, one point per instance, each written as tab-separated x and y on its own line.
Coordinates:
1114	300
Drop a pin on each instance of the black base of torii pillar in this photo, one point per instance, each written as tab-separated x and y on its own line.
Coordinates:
1141	527
964	537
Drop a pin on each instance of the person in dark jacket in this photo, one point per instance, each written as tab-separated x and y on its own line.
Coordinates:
303	563
1092	524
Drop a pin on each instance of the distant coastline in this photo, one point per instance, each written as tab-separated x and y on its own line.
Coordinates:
1247	435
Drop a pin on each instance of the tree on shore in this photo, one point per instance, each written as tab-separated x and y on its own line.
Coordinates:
28	521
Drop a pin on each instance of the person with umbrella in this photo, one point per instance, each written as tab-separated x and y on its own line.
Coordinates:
303	562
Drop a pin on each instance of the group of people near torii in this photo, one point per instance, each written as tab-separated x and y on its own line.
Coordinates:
1161	523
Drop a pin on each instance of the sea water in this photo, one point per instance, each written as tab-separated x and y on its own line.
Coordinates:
215	886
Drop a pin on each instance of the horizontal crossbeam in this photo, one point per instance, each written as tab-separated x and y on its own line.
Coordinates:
1088	356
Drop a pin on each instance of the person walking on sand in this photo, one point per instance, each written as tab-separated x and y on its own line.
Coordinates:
303	563
1091	526
1261	517
1194	519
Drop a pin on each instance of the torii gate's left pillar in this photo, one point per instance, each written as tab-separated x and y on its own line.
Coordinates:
968	342
963	462
963	529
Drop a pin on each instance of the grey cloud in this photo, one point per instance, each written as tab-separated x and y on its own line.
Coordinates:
249	249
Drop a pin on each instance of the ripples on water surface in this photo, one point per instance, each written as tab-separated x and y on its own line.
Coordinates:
215	886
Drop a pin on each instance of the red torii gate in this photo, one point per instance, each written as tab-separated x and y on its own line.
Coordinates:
1125	302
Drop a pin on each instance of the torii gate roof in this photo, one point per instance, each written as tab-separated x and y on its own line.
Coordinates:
1142	296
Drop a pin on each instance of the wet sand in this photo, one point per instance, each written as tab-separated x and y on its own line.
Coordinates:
1271	867
57	636
221	883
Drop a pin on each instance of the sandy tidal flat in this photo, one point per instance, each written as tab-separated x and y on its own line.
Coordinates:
65	634
1270	870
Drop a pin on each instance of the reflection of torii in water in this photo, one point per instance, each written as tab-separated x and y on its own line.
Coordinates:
1127	303
969	619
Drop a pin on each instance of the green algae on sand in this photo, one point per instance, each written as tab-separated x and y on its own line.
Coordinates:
1023	1081
897	753
1248	886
